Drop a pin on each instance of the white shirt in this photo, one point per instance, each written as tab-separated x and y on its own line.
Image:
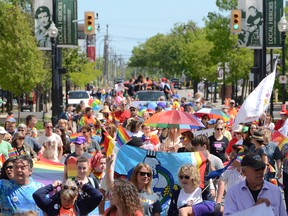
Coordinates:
51	145
184	198
284	129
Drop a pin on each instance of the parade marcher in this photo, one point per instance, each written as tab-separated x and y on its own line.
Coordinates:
268	122
67	201
233	174
280	122
87	118
29	140
21	148
190	193
187	137
91	144
31	122
4	146
172	142
65	139
232	110
98	172
7	170
218	142
52	145
236	139
258	147
11	126
254	190
16	194
122	114
124	200
70	161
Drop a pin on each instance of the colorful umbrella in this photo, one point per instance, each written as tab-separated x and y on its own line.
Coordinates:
212	113
174	119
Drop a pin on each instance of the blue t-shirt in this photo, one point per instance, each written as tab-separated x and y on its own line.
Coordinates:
18	198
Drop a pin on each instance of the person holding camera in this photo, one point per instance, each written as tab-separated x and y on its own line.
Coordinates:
67	201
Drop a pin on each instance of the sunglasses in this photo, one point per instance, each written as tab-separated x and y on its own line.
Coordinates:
21	130
132	110
49	127
262	168
66	187
184	177
219	129
21	138
9	167
145	174
84	132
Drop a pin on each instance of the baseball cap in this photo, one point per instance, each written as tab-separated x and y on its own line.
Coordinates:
253	160
22	126
80	140
11	120
245	129
232	101
239	129
2	130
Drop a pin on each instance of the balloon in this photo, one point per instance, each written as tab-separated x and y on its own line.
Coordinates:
143	108
141	112
152	105
176	104
94	103
97	101
95	107
162	104
90	101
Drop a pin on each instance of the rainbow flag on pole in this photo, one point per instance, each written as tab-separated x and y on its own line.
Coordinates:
121	136
108	143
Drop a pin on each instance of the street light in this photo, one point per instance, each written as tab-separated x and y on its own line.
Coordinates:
283	28
53	33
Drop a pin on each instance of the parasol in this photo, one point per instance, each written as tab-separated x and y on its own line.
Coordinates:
174	119
212	113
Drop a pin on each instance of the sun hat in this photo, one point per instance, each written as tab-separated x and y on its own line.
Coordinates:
2	130
239	129
258	136
105	109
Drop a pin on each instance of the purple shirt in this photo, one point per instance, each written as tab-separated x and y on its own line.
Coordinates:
239	197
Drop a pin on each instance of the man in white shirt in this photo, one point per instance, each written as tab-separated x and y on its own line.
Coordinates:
52	145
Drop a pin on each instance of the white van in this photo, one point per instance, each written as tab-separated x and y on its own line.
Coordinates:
74	97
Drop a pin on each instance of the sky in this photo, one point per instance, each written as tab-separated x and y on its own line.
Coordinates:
132	22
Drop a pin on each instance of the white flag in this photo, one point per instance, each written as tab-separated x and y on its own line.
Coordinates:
257	102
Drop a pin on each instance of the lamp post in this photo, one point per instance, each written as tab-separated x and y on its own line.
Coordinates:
53	33
283	28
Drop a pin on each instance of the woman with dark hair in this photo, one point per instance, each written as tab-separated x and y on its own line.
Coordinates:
205	118
187	137
65	139
21	148
67	201
7	169
247	141
92	145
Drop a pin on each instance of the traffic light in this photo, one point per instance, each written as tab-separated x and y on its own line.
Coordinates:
235	21
89	25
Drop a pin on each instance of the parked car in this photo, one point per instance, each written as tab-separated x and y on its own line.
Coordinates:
176	83
143	97
74	97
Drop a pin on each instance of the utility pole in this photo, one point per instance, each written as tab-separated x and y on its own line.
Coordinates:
106	56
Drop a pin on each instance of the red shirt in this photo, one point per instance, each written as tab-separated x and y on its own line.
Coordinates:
122	115
230	144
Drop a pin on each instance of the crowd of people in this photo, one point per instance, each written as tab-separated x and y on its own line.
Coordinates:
89	179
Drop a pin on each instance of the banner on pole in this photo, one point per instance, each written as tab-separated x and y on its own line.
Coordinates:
66	12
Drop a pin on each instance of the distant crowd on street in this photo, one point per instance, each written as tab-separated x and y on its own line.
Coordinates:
251	162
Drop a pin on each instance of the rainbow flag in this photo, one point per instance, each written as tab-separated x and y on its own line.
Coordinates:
47	171
108	143
279	139
117	120
2	159
12	153
121	136
74	136
72	167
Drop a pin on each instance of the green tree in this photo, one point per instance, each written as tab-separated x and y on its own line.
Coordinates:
21	63
80	70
